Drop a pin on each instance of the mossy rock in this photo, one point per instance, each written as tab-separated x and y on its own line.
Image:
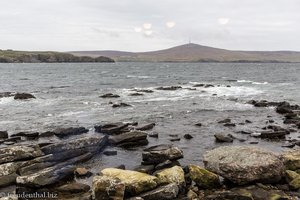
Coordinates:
171	175
292	159
135	182
293	179
204	178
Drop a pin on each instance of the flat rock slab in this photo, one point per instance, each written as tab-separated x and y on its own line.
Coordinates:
243	164
15	153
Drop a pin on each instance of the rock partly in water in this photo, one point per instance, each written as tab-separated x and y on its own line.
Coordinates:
243	164
223	138
112	128
203	178
146	127
23	96
119	105
160	153
3	134
172	88
135	182
171	175
106	187
65	132
129	139
109	95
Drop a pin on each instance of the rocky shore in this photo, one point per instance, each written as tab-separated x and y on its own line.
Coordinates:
228	172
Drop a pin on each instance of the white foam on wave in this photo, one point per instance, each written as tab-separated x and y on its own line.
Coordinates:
252	82
140	77
6	100
236	91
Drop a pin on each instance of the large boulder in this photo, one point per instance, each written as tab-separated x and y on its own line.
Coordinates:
171	175
243	164
46	176
105	187
160	153
16	153
203	178
135	182
129	139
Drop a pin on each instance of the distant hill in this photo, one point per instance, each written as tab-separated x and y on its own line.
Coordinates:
196	53
9	56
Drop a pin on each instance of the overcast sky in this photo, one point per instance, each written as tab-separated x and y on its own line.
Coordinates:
143	25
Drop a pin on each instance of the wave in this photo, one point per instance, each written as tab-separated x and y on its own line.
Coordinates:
252	82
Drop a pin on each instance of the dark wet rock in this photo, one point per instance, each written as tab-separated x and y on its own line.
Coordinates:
229	125
46	176
13	139
208	85
223	137
23	96
174	135
17	153
153	135
111	128
188	136
73	187
292	121
224	121
109	95
261	104
166	192
253	142
6	94
20	134
66	132
31	135
248	121
136	94
84	145
289	145
198	124
203	178
169	88
106	187
47	134
129	139
121	167
146	127
244	164
119	105
3	134
148	169
110	153
278	128
160	153
284	108
273	134
199	85
167	164
175	139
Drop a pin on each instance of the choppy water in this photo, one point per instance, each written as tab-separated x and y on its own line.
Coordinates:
68	95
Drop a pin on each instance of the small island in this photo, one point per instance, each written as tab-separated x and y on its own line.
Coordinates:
10	56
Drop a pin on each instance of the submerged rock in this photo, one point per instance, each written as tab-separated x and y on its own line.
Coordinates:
160	153
135	182
118	105
243	164
203	178
23	96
